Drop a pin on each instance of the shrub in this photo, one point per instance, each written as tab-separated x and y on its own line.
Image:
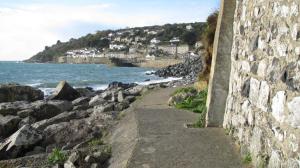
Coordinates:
95	142
196	103
57	157
208	42
247	158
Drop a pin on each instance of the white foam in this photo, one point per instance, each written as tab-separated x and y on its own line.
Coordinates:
99	87
47	91
158	81
149	72
34	84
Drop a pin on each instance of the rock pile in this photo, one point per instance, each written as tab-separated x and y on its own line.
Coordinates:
189	69
67	120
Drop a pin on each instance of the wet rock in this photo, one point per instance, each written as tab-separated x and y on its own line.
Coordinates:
8	125
20	141
64	91
15	92
115	85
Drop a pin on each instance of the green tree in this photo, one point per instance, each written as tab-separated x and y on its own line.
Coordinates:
190	38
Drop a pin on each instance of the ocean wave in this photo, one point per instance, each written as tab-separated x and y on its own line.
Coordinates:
99	87
158	81
47	91
34	84
149	72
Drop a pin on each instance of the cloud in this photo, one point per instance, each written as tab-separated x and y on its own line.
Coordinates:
27	29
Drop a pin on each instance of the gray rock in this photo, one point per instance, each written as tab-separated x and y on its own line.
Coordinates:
121	106
89	159
69	164
8	125
101	157
14	92
104	108
94	165
27	121
63	117
61	104
135	91
64	91
21	140
74	157
71	133
130	99
81	101
36	150
115	85
12	108
84	92
43	110
294	118
25	113
120	96
97	100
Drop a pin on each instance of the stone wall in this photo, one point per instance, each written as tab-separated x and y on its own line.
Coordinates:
181	49
263	104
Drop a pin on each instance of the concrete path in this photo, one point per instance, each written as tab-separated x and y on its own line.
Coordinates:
163	141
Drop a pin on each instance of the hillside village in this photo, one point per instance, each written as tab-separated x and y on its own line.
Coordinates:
139	44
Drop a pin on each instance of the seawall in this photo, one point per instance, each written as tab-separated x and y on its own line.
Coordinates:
262	101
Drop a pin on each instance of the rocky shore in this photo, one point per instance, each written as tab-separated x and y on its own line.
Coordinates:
189	69
73	121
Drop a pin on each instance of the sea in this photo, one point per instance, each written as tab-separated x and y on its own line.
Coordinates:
45	76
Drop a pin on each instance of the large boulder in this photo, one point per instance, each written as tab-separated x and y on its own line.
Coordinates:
15	92
97	100
8	125
20	142
69	134
11	108
44	110
115	85
63	117
64	91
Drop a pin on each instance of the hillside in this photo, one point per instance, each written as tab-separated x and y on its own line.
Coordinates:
124	39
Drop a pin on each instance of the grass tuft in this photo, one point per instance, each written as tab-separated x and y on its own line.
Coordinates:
247	158
196	104
96	142
57	157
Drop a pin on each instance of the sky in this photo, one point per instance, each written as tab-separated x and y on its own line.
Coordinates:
27	26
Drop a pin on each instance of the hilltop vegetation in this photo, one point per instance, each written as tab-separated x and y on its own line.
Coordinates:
188	33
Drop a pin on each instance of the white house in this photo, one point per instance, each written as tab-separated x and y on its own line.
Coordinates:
154	41
175	40
189	27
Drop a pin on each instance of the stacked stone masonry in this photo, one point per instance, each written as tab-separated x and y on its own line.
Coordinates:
263	105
